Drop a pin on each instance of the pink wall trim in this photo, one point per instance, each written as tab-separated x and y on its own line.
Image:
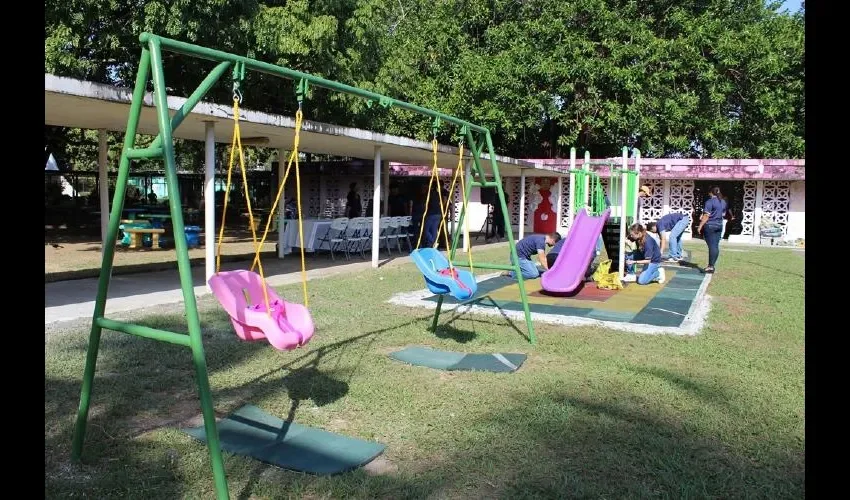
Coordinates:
665	168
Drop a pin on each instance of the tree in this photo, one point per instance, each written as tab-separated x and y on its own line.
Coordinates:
697	78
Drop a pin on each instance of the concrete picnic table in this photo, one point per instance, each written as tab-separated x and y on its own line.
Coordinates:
157	220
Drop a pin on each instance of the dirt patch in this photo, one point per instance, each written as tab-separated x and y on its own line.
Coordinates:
381	466
738	307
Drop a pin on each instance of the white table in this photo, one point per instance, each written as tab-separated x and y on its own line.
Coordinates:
314	230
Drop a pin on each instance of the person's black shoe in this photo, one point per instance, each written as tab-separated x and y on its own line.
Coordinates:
708	270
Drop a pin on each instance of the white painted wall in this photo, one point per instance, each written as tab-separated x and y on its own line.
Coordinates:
797	211
477	211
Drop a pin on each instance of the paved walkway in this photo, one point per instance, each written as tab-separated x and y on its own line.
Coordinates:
74	299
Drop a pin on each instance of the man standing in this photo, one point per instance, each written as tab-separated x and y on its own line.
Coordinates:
670	228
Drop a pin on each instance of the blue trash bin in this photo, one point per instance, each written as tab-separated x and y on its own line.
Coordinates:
193	236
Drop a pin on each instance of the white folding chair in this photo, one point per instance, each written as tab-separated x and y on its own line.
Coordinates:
335	235
391	234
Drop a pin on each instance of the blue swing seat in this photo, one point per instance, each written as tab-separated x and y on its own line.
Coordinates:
430	262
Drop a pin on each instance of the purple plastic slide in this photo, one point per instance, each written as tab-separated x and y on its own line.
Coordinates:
576	253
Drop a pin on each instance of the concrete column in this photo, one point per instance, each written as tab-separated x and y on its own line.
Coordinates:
757	214
559	195
376	208
209	200
281	213
665	198
467	174
572	187
624	189
385	181
522	205
103	181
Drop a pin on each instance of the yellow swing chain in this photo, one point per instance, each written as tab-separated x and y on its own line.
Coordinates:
237	139
293	157
459	173
434	175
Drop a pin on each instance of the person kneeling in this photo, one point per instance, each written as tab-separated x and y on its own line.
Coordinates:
652	270
530	246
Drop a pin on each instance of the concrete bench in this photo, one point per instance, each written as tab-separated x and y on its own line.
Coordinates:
137	232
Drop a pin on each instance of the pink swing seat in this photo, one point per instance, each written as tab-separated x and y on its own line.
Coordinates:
289	325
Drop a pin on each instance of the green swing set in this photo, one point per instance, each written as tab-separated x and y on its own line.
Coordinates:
151	65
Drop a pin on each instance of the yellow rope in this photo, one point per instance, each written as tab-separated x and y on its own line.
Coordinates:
293	157
434	175
257	247
443	228
226	191
465	202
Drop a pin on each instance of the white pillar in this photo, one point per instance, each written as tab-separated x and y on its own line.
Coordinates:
385	181
637	182
376	208
209	199
559	195
624	189
586	167
281	209
522	204
572	187
758	212
102	163
665	198
467	174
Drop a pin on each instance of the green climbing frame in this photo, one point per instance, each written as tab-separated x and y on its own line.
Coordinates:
151	66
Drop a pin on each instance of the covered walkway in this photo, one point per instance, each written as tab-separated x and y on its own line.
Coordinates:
75	103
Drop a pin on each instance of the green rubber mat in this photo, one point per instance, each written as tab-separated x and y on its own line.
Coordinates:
447	360
251	432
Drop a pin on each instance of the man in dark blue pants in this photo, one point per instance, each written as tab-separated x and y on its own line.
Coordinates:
432	219
711	225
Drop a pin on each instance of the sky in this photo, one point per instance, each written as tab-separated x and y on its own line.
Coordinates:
792	5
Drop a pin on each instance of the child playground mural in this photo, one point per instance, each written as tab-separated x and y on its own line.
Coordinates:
543	205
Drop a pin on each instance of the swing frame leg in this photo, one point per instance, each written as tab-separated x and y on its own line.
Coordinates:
481	181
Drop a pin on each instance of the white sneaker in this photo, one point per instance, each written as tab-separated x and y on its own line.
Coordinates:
662	275
629	278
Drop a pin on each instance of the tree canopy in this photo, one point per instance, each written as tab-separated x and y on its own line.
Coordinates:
690	78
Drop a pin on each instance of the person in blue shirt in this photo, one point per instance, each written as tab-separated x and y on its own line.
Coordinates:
711	225
530	247
433	216
553	253
652	270
670	228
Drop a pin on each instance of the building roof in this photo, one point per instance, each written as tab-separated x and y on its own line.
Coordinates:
76	103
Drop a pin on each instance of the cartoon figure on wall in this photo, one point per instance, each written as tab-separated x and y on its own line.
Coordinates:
543	205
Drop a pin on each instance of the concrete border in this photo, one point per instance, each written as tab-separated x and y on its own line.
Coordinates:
692	325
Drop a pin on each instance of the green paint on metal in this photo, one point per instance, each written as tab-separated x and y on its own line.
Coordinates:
483	265
148	152
151	66
144	331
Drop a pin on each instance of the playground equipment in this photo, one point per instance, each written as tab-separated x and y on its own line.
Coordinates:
579	247
595	214
151	65
440	275
284	324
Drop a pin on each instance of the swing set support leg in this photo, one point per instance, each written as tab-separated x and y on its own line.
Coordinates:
476	148
151	64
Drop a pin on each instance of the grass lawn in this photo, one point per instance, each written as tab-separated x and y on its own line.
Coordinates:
591	413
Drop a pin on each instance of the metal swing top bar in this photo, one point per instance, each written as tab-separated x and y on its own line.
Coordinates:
189	49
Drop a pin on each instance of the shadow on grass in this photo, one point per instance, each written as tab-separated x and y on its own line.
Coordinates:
546	442
569	446
772	268
132	397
